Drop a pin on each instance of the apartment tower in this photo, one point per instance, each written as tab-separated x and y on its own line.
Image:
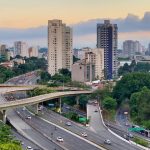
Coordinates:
107	38
59	46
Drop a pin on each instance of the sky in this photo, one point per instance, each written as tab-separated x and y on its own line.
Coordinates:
27	19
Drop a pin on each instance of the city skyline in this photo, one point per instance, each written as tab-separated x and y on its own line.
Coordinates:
19	20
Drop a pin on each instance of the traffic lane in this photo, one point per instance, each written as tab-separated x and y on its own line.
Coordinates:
98	126
124	131
67	108
75	128
25	141
71	142
30	133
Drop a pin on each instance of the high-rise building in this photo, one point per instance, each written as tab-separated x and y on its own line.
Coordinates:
90	68
107	38
21	48
33	52
130	48
59	46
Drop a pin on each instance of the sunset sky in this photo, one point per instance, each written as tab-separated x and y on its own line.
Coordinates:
19	17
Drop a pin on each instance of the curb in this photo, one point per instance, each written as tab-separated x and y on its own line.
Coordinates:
121	138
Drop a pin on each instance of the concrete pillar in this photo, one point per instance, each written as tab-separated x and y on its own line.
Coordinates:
60	104
77	100
36	108
3	115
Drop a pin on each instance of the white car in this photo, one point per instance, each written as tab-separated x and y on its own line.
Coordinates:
28	117
68	123
107	141
23	108
60	139
29	148
84	134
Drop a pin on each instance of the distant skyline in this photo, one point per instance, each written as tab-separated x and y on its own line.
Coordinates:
27	20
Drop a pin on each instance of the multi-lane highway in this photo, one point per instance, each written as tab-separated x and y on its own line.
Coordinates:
44	128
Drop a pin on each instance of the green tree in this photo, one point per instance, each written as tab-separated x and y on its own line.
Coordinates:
129	84
109	103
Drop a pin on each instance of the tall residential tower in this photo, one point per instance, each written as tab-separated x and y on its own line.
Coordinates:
107	38
59	46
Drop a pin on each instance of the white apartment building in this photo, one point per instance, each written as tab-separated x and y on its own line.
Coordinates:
21	48
59	46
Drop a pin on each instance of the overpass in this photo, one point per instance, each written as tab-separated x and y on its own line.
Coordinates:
36	100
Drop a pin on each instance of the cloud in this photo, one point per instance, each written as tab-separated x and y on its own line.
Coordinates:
84	32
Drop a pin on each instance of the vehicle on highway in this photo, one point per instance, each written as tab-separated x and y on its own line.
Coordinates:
68	123
130	135
28	117
84	134
107	141
60	139
29	148
95	110
67	107
23	108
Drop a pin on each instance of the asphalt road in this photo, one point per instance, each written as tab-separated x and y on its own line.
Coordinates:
94	133
31	133
97	126
71	142
25	141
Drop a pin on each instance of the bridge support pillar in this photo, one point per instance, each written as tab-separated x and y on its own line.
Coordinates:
60	105
77	100
36	108
3	115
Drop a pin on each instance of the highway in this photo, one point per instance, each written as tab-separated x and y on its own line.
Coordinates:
96	125
93	135
71	142
96	133
30	133
25	141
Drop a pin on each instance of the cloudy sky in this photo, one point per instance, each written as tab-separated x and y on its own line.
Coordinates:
27	19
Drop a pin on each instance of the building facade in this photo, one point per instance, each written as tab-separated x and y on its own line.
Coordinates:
59	46
130	48
107	38
21	48
33	52
91	68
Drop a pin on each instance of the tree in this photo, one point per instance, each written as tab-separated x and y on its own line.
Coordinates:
75	59
140	107
109	103
65	72
129	84
45	76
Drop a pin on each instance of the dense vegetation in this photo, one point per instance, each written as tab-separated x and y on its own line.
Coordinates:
140	107
7	141
130	83
31	64
134	67
134	89
39	91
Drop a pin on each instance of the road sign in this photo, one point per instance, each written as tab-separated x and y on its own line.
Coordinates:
136	129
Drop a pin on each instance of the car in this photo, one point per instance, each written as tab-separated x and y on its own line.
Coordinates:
107	141
28	117
67	107
60	139
23	108
68	123
130	135
95	110
29	148
84	134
